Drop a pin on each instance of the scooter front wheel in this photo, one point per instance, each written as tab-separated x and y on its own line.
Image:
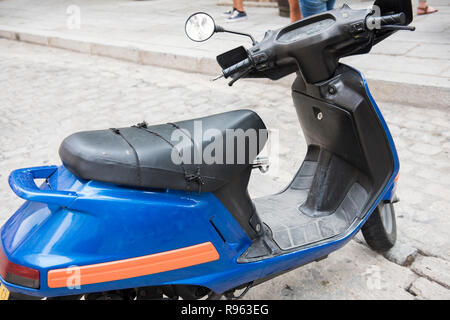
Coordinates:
380	230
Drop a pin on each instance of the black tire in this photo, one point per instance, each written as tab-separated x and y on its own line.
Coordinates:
21	296
380	230
74	297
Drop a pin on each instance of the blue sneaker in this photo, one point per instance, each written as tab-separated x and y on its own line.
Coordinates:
236	16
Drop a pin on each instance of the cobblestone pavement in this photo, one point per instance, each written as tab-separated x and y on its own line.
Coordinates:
48	94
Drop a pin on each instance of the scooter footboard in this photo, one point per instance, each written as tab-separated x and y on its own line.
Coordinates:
300	224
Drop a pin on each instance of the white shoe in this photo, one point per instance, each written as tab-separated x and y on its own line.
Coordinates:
228	13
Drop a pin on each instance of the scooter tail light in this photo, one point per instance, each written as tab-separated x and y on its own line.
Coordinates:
17	274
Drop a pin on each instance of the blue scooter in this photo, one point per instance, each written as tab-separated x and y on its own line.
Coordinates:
129	216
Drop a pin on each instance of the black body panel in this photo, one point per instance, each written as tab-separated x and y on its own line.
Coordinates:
349	129
317	54
234	196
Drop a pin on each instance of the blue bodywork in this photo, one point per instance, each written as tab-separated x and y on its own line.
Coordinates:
68	221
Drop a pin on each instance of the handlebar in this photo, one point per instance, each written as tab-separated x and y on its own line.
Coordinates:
312	46
392	19
236	67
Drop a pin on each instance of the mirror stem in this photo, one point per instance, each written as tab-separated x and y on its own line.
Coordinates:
220	29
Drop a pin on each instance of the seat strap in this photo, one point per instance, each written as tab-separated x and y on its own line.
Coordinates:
197	174
138	163
188	176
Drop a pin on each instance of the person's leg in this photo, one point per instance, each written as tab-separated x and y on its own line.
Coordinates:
238	13
424	8
294	9
330	4
311	7
239	5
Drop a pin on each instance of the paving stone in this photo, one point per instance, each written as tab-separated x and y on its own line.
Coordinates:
426	149
426	289
354	272
401	254
435	269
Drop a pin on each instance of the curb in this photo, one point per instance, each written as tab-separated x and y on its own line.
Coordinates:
118	51
387	91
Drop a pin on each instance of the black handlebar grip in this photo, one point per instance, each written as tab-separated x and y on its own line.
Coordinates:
392	19
398	18
236	67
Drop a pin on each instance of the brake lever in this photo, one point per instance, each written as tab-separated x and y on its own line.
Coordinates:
217	78
239	76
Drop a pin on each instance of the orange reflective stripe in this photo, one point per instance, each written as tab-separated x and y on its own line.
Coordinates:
134	267
396	178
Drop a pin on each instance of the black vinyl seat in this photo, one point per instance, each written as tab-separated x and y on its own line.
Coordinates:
143	156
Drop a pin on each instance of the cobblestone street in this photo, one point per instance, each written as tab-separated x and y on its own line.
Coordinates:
49	93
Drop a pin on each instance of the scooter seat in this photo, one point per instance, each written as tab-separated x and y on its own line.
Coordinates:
171	155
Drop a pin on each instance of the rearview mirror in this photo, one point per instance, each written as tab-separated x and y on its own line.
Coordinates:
200	27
